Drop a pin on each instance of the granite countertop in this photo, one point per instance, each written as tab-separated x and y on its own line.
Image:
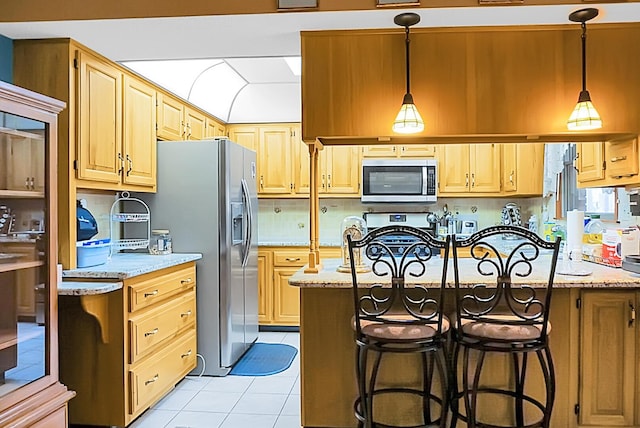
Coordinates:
600	277
79	288
127	265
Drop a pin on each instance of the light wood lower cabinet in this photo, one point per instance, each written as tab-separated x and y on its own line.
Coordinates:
279	302
123	351
26	279
609	394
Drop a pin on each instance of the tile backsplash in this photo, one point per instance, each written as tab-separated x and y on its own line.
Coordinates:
287	220
99	205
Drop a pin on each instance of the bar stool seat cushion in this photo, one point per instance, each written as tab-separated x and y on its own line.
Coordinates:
398	331
507	328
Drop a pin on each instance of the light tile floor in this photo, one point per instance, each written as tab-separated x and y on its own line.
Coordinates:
233	401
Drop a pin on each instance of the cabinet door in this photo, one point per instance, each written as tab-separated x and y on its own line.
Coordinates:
453	166
384	151
170	114
342	170
196	124
274	161
608	366
99	119
417	151
214	129
287	297
246	136
622	158
484	161
139	136
19	170
509	171
590	161
265	287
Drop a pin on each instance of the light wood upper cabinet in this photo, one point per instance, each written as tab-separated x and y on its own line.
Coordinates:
215	128
177	121
469	168
339	170
399	151
274	160
24	159
590	161
170	118
139	136
608	366
195	123
99	119
522	169
246	136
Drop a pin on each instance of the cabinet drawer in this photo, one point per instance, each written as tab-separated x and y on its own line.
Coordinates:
622	158
153	327
290	258
158	287
152	379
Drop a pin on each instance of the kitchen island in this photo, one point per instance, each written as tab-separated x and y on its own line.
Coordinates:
593	342
127	334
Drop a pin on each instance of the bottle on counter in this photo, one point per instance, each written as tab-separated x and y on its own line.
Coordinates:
160	243
594	229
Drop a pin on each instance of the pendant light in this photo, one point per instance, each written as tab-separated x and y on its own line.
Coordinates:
584	117
408	120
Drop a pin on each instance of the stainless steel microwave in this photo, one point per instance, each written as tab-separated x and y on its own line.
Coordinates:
399	180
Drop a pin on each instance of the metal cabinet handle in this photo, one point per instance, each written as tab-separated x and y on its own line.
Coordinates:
511	177
184	128
152	332
121	159
130	165
262	182
323	181
473	180
26	183
188	129
328	181
153	379
186	354
632	314
186	281
185	314
466	180
293	259
618	158
153	293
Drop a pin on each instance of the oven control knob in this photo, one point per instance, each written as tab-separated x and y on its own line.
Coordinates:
400	250
374	250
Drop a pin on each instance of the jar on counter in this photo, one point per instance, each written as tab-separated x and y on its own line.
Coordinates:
160	243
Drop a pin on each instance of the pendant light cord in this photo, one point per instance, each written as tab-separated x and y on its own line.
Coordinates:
584	56
406	31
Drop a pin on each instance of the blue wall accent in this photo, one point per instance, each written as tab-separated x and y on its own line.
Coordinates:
6	59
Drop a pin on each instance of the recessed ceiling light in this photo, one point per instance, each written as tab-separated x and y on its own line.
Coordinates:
295	64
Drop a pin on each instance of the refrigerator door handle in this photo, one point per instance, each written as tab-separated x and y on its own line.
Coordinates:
248	224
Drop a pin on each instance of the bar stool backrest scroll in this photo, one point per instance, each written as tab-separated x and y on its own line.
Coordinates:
508	282
396	291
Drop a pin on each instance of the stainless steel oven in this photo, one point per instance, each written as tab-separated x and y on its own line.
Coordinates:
399	180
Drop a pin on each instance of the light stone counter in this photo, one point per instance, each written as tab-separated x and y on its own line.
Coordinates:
127	265
600	277
70	288
296	244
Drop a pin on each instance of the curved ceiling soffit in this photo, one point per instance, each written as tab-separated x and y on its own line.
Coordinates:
281	118
203	72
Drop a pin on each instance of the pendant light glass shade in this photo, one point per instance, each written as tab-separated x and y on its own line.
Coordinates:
585	116
408	120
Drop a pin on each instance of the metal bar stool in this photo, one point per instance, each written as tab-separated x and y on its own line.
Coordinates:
506	311
392	316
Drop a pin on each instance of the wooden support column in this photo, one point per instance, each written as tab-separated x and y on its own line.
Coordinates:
314	203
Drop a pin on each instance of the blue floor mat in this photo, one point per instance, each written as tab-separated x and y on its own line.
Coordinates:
264	359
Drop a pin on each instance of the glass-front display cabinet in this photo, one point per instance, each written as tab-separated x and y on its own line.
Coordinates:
30	394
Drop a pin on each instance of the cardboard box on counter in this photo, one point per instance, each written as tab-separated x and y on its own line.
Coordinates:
616	244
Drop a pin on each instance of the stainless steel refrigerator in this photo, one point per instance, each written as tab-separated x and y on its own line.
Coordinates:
207	198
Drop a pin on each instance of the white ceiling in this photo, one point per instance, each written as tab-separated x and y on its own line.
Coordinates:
243	70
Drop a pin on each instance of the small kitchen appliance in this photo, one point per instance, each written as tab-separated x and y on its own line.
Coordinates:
399	180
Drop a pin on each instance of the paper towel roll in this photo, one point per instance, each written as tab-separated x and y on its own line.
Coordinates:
575	230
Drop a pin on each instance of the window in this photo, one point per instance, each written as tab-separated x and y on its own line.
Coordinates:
597	200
